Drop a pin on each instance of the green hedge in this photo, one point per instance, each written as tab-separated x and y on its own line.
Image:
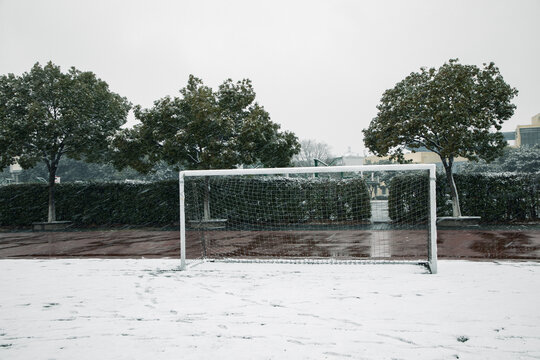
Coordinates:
499	198
88	204
502	198
407	199
92	203
280	200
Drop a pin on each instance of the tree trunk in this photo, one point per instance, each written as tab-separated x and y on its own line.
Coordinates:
456	210
52	208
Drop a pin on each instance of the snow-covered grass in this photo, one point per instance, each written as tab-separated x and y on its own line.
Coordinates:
145	309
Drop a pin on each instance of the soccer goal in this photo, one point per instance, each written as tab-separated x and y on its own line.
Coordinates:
339	214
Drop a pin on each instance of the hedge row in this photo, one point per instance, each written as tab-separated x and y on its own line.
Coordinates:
92	203
281	200
237	199
502	198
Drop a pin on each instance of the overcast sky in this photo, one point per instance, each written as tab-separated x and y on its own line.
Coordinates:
318	67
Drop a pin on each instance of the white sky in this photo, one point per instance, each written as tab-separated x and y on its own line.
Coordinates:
318	67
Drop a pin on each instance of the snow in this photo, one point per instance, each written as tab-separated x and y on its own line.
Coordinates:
146	309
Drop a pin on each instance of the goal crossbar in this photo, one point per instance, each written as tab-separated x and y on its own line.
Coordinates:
431	262
307	170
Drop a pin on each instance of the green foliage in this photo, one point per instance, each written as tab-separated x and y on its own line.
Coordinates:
502	198
525	159
451	111
89	204
71	170
156	204
46	114
407	199
22	204
205	130
282	200
456	110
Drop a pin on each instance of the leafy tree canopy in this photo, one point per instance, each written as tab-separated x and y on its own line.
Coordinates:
456	110
46	114
205	129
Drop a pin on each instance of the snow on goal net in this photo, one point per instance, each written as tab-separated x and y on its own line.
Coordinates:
342	214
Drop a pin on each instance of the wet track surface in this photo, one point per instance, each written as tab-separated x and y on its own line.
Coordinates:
519	244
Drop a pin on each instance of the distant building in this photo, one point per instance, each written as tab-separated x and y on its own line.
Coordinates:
510	137
528	135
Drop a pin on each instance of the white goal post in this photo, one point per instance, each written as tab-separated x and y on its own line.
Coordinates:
310	214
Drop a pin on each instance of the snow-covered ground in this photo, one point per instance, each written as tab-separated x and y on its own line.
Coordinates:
145	309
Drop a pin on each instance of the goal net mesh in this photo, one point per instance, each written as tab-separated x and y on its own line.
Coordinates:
330	217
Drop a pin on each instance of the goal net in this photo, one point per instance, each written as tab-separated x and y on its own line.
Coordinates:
342	214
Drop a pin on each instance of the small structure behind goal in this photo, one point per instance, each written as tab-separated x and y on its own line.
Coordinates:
308	215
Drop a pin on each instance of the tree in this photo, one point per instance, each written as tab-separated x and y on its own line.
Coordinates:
46	114
524	159
456	110
311	150
205	129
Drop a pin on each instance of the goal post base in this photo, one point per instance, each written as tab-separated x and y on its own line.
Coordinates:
208	224
308	261
458	221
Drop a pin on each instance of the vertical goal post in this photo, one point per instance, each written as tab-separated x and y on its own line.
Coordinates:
430	223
